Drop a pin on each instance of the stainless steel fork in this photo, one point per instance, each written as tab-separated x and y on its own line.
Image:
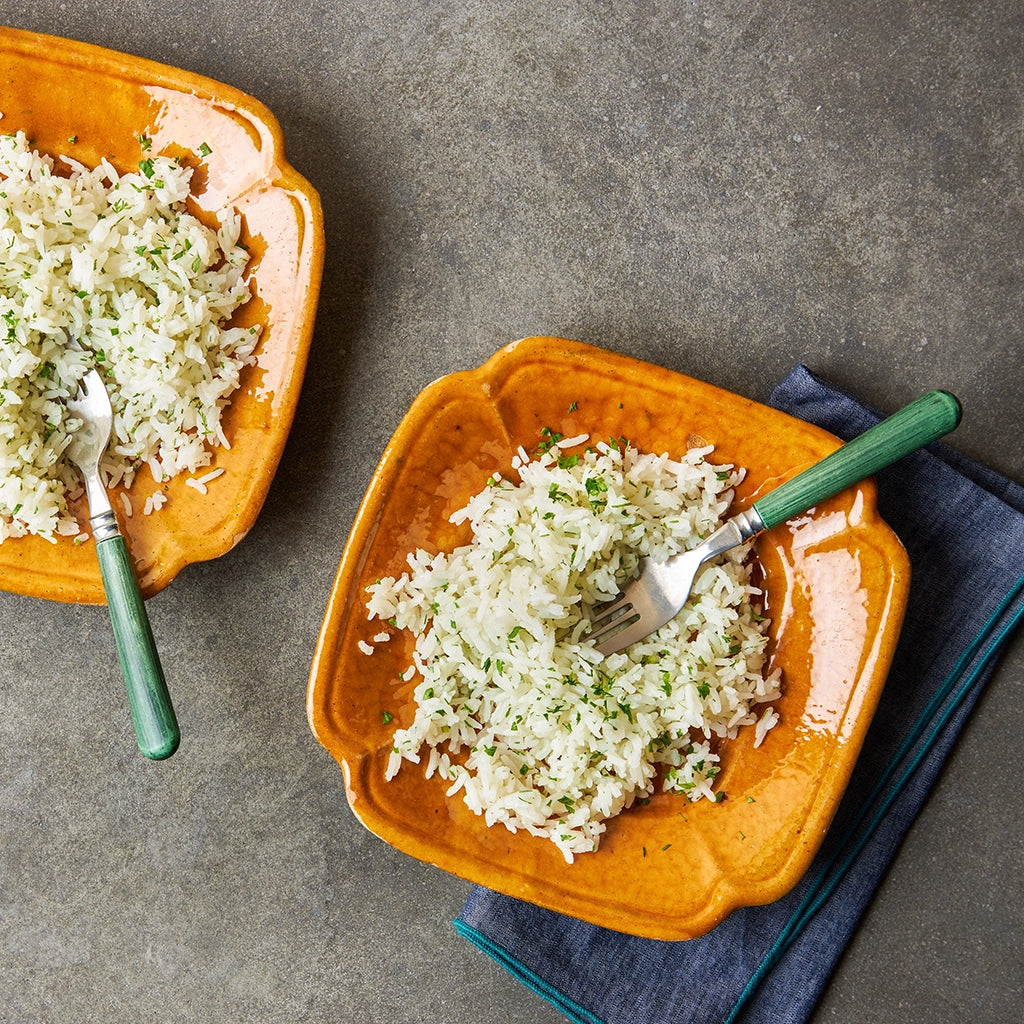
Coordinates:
156	727
659	591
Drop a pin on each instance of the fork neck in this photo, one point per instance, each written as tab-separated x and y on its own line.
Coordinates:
101	514
734	531
104	525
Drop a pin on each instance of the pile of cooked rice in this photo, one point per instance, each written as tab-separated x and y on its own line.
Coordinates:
514	707
117	263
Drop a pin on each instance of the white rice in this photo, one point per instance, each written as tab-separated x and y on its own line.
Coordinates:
154	502
518	712
146	288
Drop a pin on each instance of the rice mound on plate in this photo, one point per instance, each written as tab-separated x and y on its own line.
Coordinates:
116	261
515	709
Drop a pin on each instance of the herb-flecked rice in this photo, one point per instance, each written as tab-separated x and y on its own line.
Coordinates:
514	708
118	263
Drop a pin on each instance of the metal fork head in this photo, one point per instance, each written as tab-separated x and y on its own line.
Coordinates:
661	589
609	619
92	407
646	603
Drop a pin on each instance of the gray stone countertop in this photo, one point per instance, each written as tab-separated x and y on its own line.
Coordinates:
726	189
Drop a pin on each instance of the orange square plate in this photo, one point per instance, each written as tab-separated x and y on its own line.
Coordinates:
836	582
89	103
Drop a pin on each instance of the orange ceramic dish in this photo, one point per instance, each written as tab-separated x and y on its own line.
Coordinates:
89	103
836	582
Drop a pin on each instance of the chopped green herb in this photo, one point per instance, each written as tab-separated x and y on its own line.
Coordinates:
551	439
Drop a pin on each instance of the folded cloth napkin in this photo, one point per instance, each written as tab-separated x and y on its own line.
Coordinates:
963	527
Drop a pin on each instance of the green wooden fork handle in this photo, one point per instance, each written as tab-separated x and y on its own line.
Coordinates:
914	426
156	727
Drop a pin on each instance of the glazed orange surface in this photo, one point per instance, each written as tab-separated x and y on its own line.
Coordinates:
836	581
90	103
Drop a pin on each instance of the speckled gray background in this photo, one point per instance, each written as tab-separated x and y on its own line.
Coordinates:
723	188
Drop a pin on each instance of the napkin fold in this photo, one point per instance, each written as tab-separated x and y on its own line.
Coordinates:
963	527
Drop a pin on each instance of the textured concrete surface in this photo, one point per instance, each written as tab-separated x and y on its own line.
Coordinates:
724	188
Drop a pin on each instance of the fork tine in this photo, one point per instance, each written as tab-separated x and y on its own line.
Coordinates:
610	628
638	629
615	623
604	613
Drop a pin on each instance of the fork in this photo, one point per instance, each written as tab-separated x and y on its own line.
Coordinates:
156	727
660	589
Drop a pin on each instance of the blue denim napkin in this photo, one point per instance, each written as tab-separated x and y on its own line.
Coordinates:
963	527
